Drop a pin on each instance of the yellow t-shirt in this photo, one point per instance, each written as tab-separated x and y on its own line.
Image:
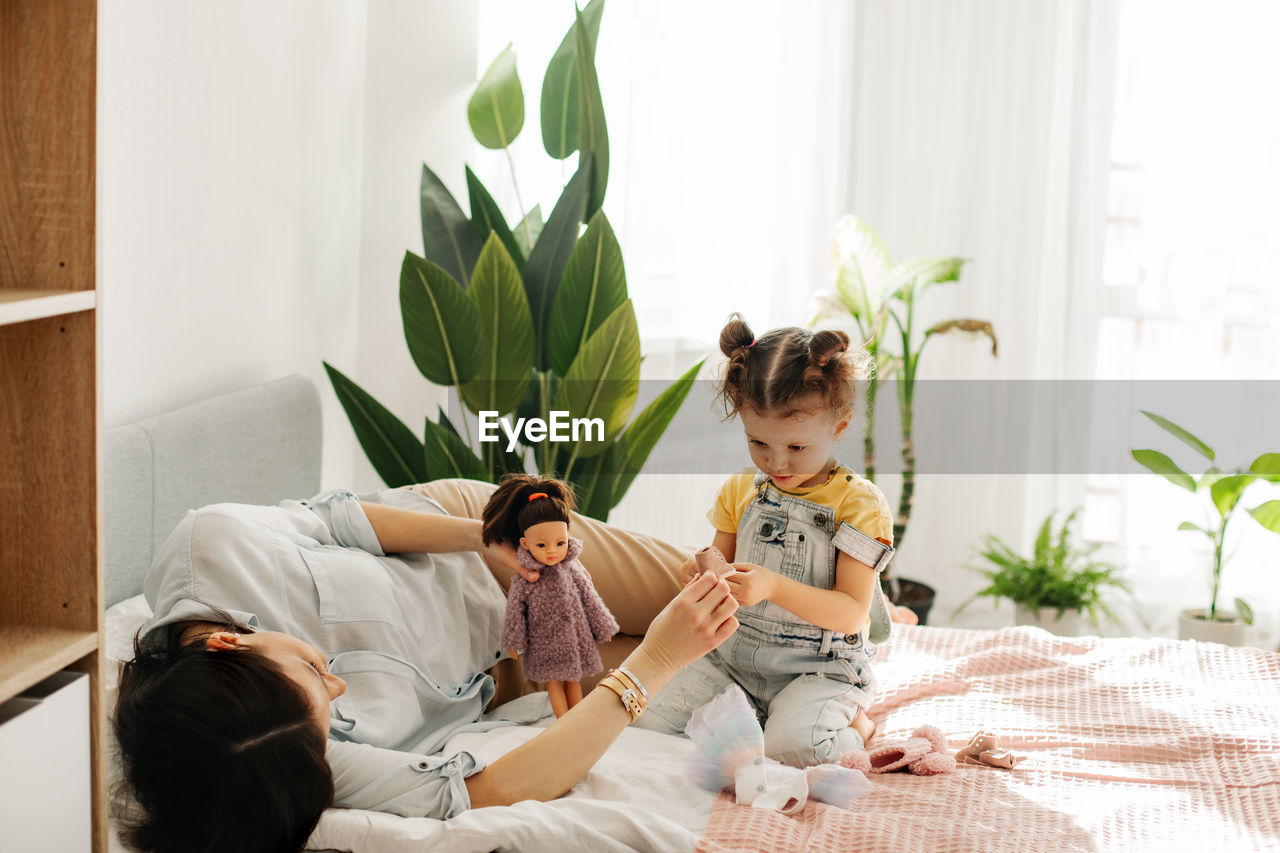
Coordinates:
853	498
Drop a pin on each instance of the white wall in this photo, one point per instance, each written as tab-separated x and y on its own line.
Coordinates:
258	168
421	71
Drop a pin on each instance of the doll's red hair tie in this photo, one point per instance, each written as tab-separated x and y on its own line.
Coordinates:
536	495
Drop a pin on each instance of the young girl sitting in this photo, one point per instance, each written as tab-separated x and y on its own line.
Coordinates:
810	537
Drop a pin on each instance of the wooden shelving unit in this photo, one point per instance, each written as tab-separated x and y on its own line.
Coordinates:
19	306
51	587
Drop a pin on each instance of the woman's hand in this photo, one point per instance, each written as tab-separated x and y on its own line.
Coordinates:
693	623
503	555
751	584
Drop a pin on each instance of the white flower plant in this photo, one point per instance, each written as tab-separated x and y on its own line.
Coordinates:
879	297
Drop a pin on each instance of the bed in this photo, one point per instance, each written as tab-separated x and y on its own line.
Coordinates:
1131	744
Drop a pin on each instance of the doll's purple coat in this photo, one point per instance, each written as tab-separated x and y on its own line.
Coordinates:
556	621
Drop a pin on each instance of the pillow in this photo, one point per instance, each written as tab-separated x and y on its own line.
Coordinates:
123	622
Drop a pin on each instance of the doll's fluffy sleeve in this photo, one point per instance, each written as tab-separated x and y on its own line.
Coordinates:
603	625
515	625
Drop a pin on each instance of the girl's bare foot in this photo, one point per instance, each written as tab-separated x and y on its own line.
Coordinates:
864	726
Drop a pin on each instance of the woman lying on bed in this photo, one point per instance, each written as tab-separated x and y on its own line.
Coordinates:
236	730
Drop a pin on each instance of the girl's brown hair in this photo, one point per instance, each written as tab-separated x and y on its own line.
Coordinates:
775	372
510	512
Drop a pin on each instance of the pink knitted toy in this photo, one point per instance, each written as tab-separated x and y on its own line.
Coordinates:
923	754
710	559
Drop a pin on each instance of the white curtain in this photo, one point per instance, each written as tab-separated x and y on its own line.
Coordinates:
726	169
980	129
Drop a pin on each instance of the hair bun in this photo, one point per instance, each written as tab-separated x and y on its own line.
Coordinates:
826	345
736	337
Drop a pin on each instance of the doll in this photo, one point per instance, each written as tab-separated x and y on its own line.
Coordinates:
555	621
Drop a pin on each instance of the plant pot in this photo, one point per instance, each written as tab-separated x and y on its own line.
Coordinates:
913	595
1227	629
1047	618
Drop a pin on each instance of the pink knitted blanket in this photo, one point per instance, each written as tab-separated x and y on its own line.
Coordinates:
1132	744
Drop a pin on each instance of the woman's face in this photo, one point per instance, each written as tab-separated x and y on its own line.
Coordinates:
547	541
304	665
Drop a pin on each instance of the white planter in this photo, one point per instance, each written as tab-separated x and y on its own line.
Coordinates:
1047	618
1193	626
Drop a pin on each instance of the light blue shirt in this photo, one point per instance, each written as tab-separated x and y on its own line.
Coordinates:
411	634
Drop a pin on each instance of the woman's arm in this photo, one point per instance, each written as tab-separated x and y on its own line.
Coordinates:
697	620
842	609
402	531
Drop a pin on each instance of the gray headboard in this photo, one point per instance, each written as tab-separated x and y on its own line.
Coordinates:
260	445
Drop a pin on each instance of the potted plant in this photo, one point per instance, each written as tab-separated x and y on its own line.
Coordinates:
1225	488
524	317
874	292
1053	587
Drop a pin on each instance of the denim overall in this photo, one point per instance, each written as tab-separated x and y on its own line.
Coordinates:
808	682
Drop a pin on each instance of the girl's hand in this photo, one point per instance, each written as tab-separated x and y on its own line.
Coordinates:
504	555
751	584
688	571
693	623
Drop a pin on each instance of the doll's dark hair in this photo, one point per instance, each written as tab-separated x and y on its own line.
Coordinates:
776	372
220	749
510	512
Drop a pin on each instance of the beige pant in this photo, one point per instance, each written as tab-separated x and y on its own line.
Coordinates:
636	575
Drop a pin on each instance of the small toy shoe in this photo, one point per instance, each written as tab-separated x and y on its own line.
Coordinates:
922	754
710	559
984	749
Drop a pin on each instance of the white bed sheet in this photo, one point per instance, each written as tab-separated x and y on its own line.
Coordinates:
637	797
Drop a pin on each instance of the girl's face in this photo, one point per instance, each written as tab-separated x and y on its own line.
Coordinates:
547	541
794	449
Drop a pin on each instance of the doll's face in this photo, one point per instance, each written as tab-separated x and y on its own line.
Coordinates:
547	541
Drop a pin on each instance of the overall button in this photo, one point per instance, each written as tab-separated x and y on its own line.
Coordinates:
820	520
801	537
767	528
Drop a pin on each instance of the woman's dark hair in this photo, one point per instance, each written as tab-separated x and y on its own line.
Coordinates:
220	750
775	372
509	512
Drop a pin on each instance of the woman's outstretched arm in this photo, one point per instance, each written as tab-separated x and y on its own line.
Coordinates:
402	531
697	620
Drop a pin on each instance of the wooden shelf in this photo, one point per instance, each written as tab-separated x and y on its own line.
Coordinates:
28	654
19	306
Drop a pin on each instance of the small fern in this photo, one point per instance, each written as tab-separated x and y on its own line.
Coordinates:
1058	574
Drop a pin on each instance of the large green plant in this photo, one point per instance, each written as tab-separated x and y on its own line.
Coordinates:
524	319
875	291
1058	574
1225	488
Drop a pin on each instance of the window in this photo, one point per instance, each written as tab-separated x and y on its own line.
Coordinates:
1191	288
719	129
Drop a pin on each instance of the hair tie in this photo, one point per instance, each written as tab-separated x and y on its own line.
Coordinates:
537	495
753	343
